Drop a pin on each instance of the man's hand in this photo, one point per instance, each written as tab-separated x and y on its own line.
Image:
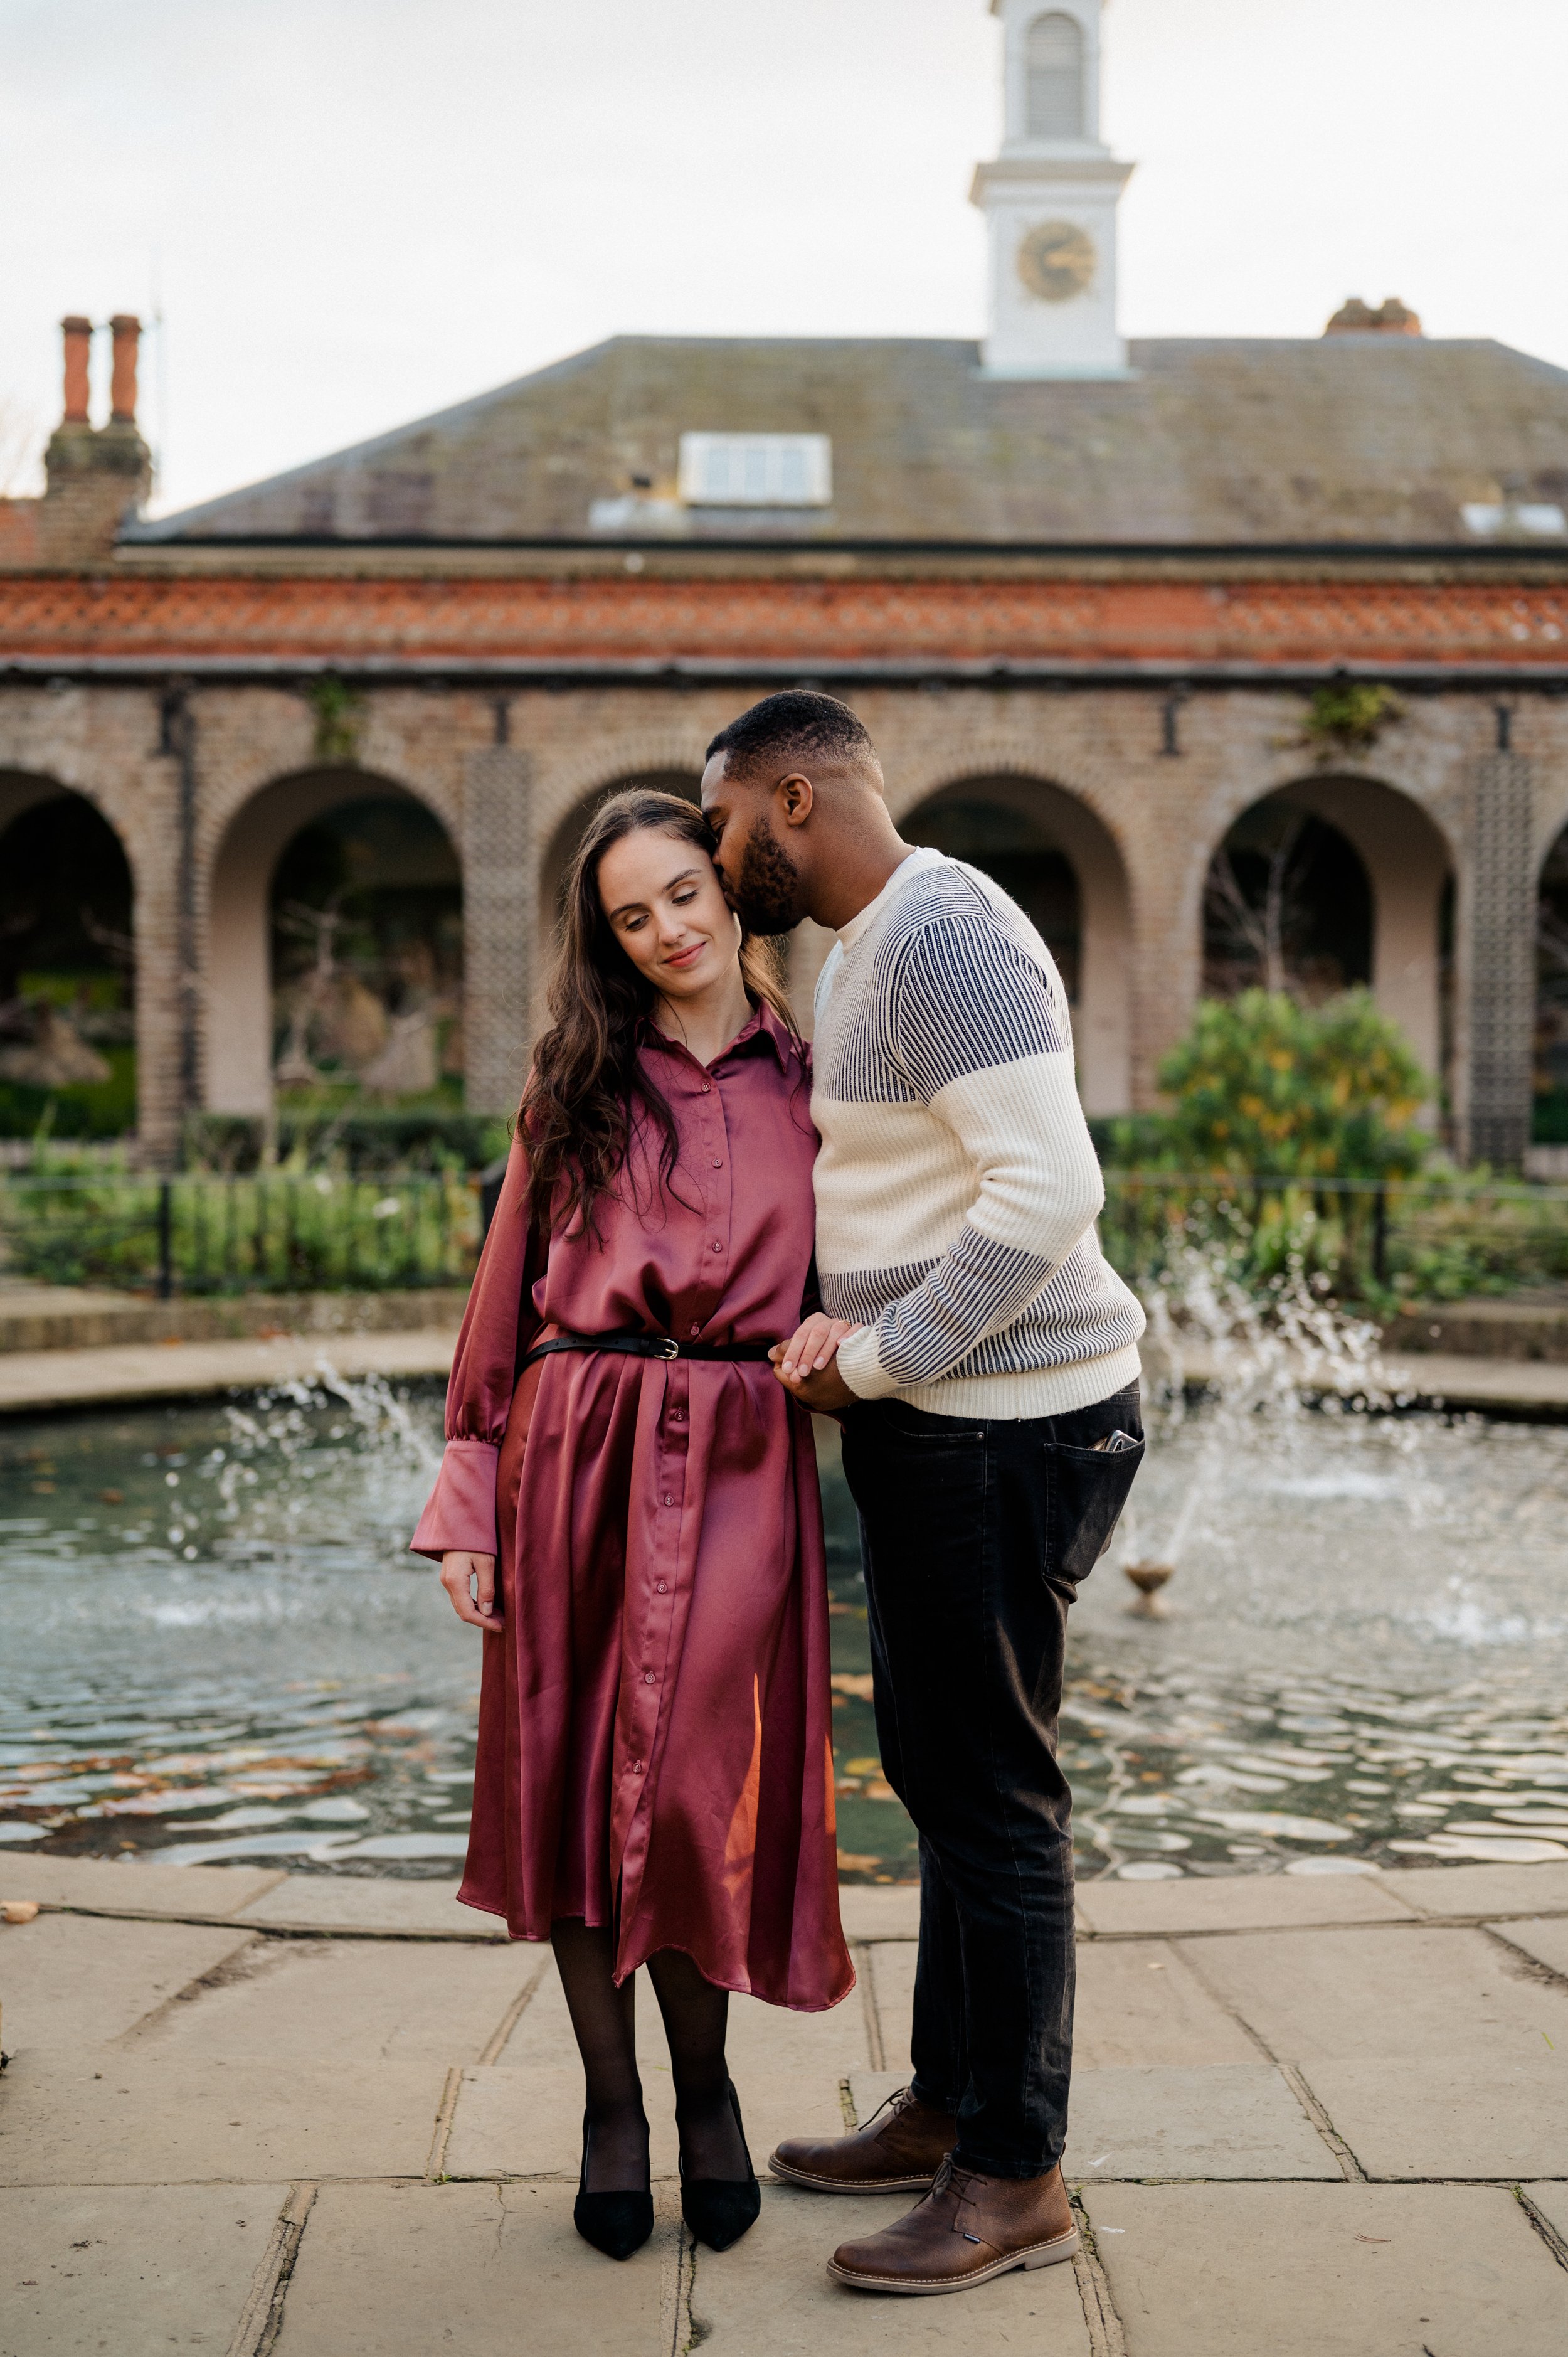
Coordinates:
804	1364
476	1605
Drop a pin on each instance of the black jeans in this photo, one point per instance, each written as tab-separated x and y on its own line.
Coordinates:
975	1533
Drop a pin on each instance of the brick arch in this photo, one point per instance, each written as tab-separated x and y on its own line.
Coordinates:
1409	858
632	755
1065	819
243	860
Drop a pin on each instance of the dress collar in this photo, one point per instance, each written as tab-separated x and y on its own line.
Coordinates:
764	1030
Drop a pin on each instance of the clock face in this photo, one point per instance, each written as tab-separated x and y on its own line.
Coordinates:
1055	261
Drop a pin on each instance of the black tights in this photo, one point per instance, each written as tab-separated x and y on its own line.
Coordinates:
603	2018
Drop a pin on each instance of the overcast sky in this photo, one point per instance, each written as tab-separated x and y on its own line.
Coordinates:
355	211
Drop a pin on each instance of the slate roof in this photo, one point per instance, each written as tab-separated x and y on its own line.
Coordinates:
1365	439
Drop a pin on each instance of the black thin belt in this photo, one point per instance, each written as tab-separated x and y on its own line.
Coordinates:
648	1346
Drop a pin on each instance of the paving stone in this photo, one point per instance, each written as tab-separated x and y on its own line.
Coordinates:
1551	2201
1139	2001
113	1887
352	2000
342	1902
892	1967
1327	2271
1482	1890
66	1978
129	2267
1230	2120
770	2296
1382	1995
108	2118
1545	1939
403	2270
1449	2118
1239	1903
880	1912
527	2121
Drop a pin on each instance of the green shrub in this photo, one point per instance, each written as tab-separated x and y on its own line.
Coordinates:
1266	1087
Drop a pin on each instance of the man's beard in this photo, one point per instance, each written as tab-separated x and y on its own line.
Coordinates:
768	895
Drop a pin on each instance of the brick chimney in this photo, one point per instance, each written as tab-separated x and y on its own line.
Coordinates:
94	477
127	334
1389	317
78	335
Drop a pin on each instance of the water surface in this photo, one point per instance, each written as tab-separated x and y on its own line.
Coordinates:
216	1646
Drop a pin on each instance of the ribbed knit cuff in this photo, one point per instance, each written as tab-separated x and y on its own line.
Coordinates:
861	1369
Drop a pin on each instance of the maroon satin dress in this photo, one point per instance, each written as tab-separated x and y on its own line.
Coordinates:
655	1748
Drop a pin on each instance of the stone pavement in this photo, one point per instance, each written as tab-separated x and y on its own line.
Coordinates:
33	1382
1315	2115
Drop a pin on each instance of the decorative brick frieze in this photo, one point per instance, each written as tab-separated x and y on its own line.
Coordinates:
339	621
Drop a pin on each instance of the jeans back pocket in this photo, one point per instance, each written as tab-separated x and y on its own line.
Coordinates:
1088	1488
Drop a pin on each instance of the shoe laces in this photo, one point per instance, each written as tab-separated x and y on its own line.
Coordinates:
898	2101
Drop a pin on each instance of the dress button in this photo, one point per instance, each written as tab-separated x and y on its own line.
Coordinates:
695	1327
662	1586
647	1677
707	1088
668	1499
715	1247
718	1164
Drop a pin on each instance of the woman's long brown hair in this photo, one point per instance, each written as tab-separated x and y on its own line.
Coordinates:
575	1119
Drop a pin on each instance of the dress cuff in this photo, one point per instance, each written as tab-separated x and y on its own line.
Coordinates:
861	1369
459	1517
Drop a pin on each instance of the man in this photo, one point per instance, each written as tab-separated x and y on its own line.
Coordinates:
984	1361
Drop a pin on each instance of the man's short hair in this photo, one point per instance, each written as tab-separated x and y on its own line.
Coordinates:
790	727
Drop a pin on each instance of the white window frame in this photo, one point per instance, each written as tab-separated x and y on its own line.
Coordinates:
757	470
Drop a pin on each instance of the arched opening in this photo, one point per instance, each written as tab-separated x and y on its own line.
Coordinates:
1053	66
68	1052
1331	883
337	950
1549	1112
563	846
1056	859
1287	906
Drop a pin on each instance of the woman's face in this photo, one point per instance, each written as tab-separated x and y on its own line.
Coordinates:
662	899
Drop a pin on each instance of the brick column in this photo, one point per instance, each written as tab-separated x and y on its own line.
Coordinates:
501	891
1500	917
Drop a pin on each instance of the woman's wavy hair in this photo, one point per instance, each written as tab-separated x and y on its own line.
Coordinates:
577	1111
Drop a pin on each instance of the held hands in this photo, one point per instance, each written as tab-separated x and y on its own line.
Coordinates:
476	1605
804	1364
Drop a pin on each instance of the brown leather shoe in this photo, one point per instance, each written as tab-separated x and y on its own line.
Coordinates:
968	2228
899	2151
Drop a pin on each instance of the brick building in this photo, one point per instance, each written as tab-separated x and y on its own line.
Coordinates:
1083	593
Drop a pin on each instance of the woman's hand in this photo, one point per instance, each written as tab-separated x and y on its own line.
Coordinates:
813	1346
804	1364
477	1604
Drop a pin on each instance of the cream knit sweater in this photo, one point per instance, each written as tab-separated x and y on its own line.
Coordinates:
957	1187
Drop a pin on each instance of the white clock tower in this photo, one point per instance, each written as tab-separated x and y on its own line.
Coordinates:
1049	201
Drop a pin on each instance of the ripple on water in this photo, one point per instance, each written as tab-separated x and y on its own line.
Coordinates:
1365	1662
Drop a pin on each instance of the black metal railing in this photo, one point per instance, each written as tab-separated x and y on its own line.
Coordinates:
1373	1240
204	1233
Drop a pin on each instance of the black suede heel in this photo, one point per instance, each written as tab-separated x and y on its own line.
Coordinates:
719	2210
616	2223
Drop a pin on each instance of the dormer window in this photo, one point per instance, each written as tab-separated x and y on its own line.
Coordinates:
1053	60
757	470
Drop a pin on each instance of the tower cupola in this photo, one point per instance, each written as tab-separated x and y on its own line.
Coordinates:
1049	200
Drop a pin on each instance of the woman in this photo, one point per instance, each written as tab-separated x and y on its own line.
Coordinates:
654	1777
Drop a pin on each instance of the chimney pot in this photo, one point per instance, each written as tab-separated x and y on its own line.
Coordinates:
126	331
77	333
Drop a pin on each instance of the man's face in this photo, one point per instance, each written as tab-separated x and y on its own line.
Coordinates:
765	887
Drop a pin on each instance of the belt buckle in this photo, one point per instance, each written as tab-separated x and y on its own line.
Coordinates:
667	1347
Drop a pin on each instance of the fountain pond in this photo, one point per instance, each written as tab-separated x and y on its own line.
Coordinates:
216	1646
